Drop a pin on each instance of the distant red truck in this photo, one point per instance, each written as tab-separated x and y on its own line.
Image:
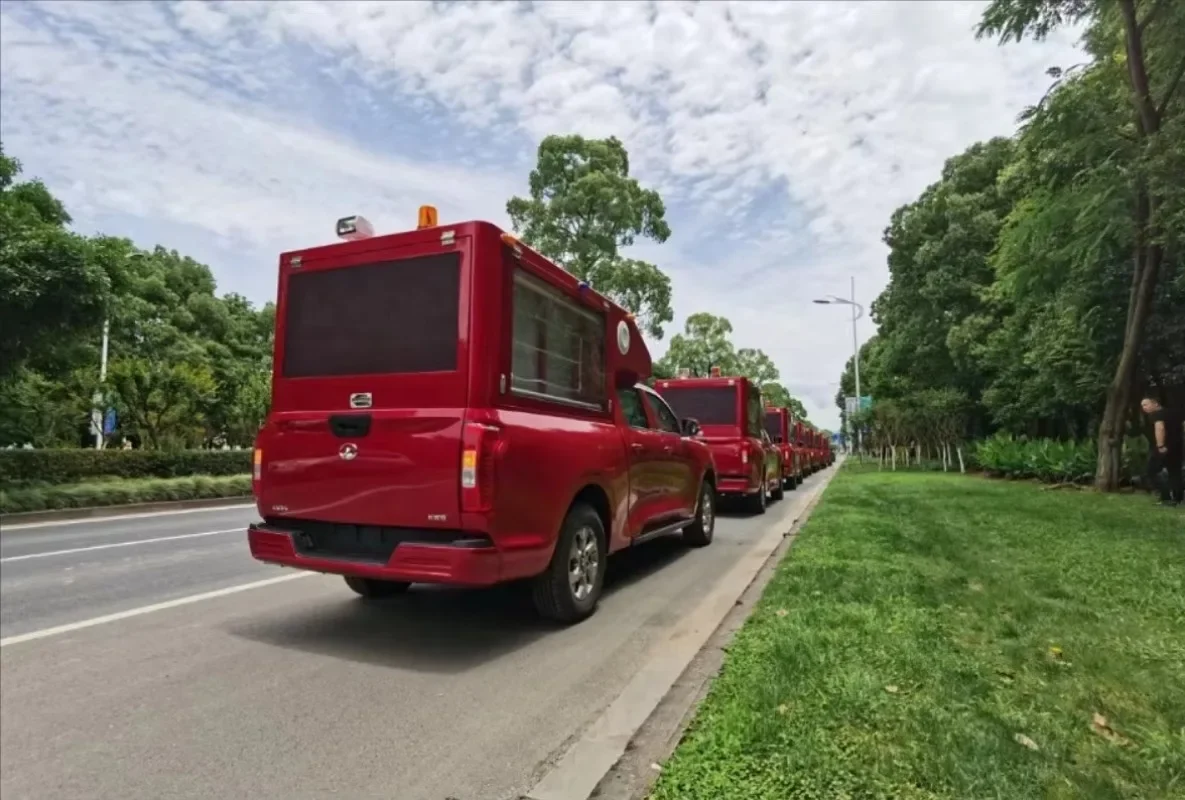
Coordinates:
780	426
450	407
732	417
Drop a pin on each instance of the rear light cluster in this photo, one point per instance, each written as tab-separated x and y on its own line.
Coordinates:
481	447
257	465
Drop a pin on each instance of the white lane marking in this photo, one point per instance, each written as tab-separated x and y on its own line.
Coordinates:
146	515
136	612
48	553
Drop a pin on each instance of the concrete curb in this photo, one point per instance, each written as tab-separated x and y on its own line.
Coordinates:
98	512
578	772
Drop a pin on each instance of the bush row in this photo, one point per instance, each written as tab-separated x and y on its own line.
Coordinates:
54	467
1054	461
121	492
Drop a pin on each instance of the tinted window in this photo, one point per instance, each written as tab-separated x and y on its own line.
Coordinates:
773	425
756	414
392	317
709	405
559	347
666	417
632	409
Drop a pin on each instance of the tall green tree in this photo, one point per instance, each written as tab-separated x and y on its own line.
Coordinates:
52	289
1145	44
583	207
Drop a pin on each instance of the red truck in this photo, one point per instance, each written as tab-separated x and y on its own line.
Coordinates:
731	415
779	425
450	407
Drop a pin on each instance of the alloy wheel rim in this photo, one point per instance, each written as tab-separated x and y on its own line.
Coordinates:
584	563
707	513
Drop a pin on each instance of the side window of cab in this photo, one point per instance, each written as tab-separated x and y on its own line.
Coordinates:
667	421
632	408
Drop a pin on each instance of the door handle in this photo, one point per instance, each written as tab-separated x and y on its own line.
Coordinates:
670	448
637	447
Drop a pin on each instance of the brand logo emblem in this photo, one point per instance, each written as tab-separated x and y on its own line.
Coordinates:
348	451
361	400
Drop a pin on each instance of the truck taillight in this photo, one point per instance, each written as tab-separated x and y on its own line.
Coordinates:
481	445
745	454
257	465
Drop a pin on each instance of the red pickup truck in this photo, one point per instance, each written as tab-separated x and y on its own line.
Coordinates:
779	424
732	416
450	407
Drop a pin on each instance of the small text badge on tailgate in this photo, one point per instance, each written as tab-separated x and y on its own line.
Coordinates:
361	400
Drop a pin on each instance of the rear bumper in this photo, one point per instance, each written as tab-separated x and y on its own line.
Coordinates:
734	485
414	562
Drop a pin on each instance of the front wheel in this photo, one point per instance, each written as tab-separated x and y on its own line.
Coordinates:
700	532
780	491
373	589
568	591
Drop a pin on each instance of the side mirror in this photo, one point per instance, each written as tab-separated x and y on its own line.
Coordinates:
689	426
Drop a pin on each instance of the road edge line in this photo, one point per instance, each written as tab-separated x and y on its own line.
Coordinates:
586	763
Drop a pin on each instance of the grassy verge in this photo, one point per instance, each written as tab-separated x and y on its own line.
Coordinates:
939	636
122	492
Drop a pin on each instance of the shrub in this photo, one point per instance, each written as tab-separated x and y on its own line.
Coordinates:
121	492
1052	461
56	467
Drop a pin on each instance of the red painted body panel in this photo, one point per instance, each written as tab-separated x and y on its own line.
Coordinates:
788	448
403	477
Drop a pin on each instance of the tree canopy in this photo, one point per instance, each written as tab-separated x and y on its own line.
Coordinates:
187	367
1042	278
582	209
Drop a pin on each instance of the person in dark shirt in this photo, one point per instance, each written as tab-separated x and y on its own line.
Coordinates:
1168	449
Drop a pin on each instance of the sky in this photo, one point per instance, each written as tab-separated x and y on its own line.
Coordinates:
781	135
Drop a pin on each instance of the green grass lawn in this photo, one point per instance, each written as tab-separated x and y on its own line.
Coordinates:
941	636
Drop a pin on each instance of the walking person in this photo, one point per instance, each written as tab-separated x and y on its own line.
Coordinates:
1168	450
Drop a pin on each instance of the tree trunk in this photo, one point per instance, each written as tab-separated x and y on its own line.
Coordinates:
1113	427
962	466
1145	268
893	453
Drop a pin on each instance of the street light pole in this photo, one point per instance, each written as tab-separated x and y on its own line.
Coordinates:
856	356
97	414
857	312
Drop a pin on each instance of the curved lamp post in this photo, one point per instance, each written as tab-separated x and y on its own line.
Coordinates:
857	312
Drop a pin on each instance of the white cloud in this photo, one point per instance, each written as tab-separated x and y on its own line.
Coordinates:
206	115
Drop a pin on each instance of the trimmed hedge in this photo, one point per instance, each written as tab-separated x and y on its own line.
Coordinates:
122	492
56	467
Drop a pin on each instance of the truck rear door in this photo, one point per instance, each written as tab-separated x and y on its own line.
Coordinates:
370	387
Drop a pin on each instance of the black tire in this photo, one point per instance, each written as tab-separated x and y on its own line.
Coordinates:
554	596
700	532
758	502
374	589
779	492
791	482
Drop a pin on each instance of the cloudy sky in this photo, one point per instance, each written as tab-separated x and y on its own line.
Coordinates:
781	135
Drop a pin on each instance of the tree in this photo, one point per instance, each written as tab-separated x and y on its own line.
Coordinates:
704	343
1149	43
51	288
583	207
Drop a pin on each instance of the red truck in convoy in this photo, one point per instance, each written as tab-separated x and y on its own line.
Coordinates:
779	425
731	415
450	407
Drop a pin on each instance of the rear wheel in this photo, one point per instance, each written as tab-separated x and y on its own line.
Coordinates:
760	501
780	491
699	533
791	482
374	589
568	591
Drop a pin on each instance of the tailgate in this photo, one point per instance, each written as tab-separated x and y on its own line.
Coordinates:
390	467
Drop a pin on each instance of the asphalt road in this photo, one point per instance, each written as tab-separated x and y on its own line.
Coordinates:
192	686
